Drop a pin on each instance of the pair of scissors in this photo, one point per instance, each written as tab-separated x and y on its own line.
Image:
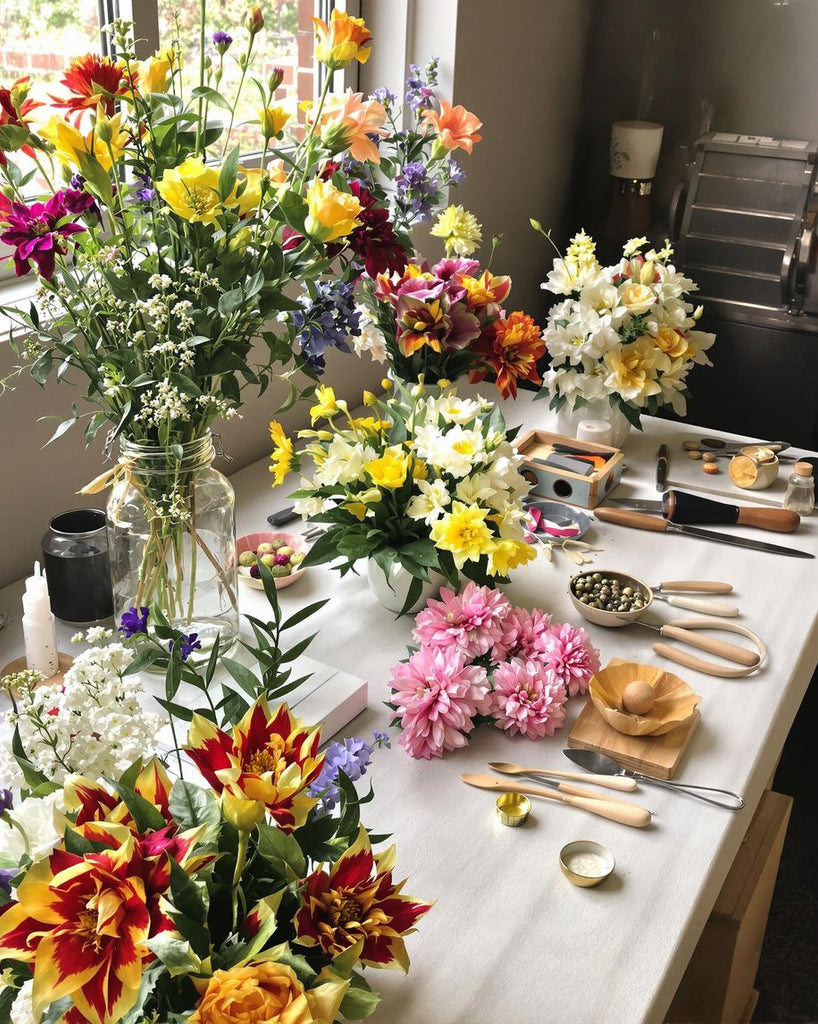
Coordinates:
744	661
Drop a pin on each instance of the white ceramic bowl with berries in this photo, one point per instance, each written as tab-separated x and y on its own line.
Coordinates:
282	554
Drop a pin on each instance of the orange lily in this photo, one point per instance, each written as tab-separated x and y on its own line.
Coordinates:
264	764
352	125
456	128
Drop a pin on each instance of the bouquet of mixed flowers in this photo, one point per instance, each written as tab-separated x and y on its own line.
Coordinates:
442	322
624	334
481	659
429	483
233	892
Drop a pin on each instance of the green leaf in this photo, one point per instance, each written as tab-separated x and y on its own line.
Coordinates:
345	963
12	137
360	1001
193	805
186	895
57	1010
213	97
303	613
33	777
230	301
228	174
146	656
281	851
244	676
144	814
175	953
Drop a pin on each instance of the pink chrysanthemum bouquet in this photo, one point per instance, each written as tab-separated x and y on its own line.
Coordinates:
480	658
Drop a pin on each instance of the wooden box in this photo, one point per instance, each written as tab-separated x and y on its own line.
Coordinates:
718	983
561	484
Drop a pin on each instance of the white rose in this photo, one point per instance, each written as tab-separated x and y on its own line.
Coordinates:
36	817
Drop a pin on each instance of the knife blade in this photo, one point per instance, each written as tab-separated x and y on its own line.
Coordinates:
662	463
640	504
638	521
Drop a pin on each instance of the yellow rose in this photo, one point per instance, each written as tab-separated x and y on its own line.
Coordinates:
266	991
390	469
633	370
332	213
272	121
191	190
636	298
671	342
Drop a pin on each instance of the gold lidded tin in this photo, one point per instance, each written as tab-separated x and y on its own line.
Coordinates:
586	863
754	468
513	809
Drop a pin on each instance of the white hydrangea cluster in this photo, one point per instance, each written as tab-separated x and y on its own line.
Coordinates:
625	331
92	724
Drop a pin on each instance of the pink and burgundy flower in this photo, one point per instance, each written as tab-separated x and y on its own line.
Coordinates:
265	764
357	900
94	81
436	696
471	621
527	699
40	232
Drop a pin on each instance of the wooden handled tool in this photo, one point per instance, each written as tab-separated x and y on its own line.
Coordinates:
625	814
694	587
692	509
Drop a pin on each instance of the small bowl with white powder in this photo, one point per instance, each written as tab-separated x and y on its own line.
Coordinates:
586	863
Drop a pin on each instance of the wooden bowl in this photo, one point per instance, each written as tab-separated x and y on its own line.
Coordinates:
250	541
598	615
675	701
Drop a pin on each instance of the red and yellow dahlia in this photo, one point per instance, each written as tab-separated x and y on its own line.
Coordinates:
81	922
265	764
94	81
511	349
358	900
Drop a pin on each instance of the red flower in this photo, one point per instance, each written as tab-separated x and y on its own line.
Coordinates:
358	900
16	115
511	349
92	81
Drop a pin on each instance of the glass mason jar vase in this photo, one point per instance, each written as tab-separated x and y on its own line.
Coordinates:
172	539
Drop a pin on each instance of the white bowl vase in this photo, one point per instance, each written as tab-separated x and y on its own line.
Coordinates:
568	419
392	593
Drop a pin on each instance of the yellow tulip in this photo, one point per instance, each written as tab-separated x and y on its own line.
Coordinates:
332	214
153	72
191	190
341	41
272	121
70	144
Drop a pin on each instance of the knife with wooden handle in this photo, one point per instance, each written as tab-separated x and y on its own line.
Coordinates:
642	522
625	814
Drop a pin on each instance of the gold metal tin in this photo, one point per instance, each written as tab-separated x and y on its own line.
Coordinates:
755	468
513	809
586	846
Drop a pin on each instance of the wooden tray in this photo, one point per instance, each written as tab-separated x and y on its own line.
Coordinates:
658	756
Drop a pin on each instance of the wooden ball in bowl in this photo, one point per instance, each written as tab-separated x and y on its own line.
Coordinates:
673	705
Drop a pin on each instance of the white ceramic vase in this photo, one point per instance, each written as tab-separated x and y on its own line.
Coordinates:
392	592
568	420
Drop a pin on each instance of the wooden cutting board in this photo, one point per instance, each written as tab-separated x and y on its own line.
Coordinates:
659	756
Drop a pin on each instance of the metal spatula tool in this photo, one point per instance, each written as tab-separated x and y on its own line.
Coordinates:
601	764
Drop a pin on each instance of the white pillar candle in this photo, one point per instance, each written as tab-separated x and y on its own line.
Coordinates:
39	627
594	430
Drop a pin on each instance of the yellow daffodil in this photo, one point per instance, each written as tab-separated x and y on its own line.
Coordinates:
508	554
272	121
250	197
357	509
633	370
191	190
344	40
327	405
332	214
70	144
390	469
464	532
283	458
154	72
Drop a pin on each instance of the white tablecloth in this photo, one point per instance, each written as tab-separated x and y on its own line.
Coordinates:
509	940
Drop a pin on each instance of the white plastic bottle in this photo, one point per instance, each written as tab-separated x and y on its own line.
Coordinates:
39	626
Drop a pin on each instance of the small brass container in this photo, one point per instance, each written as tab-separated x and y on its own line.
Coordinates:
596	861
513	809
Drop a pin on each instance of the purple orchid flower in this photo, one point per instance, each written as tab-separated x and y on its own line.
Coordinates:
39	232
6	800
134	621
188	643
